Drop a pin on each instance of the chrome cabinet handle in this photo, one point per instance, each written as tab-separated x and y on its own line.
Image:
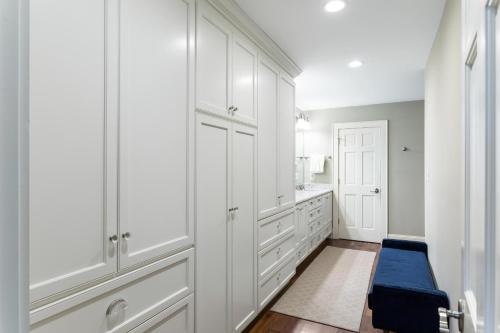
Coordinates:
116	306
231	108
126	235
113	239
234	209
375	191
281	196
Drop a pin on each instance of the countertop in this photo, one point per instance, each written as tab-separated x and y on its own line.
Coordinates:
301	196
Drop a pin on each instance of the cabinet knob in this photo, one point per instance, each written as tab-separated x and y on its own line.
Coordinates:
126	235
113	239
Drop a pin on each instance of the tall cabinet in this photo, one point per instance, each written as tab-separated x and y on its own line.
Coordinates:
111	162
276	112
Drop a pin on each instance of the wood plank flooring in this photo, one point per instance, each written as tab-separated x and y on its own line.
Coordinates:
272	322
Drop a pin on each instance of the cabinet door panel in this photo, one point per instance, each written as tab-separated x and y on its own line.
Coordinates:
69	228
243	225
212	203
213	60
244	79
268	161
155	136
286	143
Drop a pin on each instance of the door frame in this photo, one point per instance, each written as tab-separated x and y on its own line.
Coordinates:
384	176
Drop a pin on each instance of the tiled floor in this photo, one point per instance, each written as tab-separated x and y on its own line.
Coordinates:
273	322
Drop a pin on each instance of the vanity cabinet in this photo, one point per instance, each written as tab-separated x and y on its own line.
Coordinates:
226	68
226	154
276	108
111	141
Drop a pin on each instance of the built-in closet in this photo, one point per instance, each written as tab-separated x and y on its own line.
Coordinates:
161	166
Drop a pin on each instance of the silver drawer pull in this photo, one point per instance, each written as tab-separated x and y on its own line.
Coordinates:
113	239
116	306
126	235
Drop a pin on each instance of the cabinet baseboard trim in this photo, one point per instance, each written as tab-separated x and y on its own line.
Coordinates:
407	237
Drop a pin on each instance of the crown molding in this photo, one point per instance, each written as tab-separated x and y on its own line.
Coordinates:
237	16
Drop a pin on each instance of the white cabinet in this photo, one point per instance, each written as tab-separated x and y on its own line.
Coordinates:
268	138
276	108
226	242
286	142
226	68
72	199
156	138
301	218
111	138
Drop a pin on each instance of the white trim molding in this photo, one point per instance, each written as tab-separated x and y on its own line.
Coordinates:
407	237
237	16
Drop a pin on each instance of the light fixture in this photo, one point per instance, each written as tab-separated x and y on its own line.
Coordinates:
335	6
356	64
303	123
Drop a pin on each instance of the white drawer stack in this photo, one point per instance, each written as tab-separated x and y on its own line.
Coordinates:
277	254
314	224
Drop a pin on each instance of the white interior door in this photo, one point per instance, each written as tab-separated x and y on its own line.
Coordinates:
479	259
72	194
243	226
156	140
361	173
213	199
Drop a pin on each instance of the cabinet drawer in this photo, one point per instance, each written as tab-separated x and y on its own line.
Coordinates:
314	241
315	214
178	318
274	255
313	227
272	284
302	253
275	227
141	295
327	230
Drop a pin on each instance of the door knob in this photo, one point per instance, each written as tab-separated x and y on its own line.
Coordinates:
375	191
126	235
444	314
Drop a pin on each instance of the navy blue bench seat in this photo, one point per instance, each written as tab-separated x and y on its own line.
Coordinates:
404	297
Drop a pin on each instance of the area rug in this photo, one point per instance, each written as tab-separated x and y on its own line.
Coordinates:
332	290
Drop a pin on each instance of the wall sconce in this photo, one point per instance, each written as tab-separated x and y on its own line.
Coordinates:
302	122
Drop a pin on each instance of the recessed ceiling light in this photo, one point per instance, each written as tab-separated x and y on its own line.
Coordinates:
356	64
335	6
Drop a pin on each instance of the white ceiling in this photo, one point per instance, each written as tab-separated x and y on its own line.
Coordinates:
392	37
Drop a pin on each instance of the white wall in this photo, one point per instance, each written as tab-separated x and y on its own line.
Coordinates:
406	169
13	286
444	190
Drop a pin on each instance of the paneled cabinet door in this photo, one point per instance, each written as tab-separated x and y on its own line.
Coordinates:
243	225
72	193
286	143
301	223
213	61
156	140
213	200
244	79
268	139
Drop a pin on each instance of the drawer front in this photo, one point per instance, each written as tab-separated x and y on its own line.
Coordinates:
302	253
275	227
315	214
327	230
313	228
123	308
314	241
271	285
273	256
179	318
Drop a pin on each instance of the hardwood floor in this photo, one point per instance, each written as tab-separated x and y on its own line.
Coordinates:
272	322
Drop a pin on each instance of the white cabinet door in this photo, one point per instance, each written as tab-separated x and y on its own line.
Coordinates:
301	217
243	226
268	139
72	199
212	205
244	79
213	48
157	61
286	143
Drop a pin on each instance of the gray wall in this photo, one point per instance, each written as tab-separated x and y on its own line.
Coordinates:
406	169
444	167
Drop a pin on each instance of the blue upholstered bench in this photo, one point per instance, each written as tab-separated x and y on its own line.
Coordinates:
403	296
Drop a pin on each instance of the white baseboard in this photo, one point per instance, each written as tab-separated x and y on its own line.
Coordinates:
407	237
